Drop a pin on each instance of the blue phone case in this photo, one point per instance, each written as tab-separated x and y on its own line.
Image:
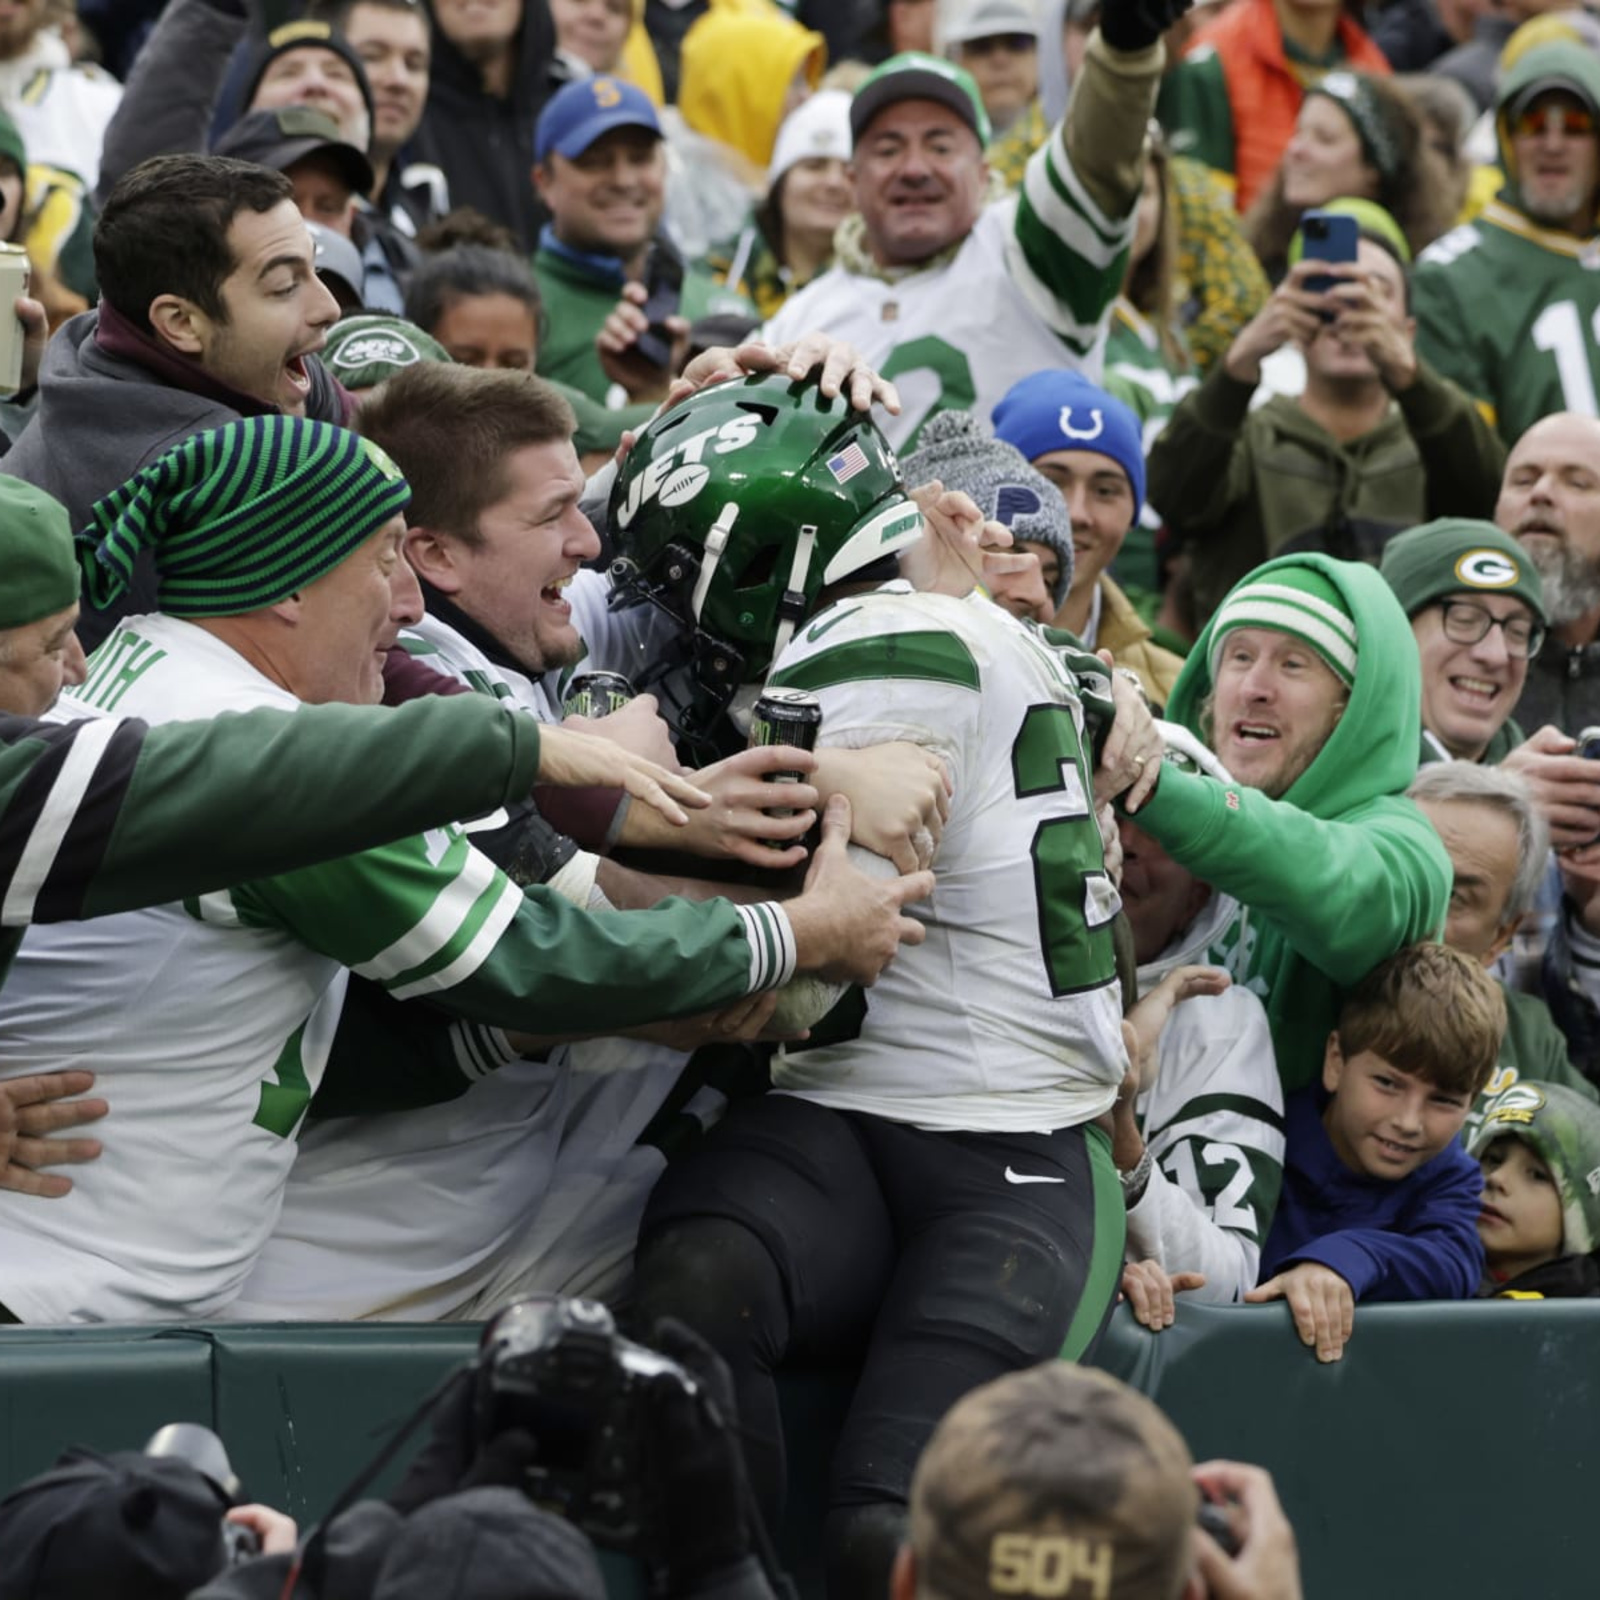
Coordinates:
1328	236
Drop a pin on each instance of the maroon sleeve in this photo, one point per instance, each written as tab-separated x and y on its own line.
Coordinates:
406	678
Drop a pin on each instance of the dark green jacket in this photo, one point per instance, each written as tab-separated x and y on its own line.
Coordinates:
191	807
1239	486
577	303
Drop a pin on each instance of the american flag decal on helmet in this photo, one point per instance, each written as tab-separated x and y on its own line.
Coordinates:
849	461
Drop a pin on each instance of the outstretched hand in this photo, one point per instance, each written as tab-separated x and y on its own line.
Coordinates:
1321	1302
848	926
31	1109
572	760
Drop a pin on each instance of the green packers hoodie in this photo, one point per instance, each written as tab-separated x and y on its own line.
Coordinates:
1343	870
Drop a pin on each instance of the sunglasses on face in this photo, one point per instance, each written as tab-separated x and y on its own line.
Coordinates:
1016	43
1574	120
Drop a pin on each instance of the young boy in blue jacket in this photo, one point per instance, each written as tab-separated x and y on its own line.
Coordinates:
1380	1200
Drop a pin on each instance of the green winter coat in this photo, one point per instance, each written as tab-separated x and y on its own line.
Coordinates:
1239	486
1344	870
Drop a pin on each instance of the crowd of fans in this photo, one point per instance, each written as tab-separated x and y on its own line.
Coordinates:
1194	889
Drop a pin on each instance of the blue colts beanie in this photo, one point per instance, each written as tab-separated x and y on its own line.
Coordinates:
1058	410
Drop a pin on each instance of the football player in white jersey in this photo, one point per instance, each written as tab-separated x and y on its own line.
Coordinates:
928	1190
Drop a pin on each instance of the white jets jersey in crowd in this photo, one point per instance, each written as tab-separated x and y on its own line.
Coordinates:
1031	286
208	1056
530	1182
1213	1118
1008	1018
211	1022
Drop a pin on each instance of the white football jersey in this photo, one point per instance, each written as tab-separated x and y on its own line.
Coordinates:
207	1071
1008	1017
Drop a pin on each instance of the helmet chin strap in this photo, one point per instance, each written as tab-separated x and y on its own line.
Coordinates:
716	543
792	607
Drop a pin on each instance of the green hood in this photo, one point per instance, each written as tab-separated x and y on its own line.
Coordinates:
1570	64
1373	750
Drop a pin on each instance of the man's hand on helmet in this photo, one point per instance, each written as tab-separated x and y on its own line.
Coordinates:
847	926
837	366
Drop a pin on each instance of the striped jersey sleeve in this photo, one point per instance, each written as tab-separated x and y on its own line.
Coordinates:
62	790
1070	257
431	917
1213	1122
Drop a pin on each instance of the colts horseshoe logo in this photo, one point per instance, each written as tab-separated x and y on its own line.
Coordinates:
1096	416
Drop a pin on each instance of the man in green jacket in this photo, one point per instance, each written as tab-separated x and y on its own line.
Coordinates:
1306	686
1375	442
601	168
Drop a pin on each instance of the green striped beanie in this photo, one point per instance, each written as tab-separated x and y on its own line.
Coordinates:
243	516
1297	600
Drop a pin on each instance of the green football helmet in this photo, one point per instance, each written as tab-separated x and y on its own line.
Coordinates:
734	511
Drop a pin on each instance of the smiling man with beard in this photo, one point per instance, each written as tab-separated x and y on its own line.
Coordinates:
210	310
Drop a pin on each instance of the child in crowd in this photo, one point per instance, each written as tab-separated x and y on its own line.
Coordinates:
1539	1147
1380	1200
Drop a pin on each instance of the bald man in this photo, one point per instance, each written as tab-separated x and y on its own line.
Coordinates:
1550	502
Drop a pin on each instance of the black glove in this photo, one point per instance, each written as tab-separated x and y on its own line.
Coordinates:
700	1506
1134	25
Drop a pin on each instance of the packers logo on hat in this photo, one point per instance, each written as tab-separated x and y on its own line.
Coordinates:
1488	569
1516	1104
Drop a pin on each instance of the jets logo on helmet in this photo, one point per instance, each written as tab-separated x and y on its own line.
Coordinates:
732	512
677	475
1487	569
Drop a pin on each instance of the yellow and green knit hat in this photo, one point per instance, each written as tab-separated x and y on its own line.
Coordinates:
243	516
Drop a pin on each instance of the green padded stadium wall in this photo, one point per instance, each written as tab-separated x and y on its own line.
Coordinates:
1455	1451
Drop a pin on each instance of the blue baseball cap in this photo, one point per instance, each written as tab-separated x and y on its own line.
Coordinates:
581	112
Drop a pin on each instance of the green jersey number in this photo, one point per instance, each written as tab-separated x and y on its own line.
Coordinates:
285	1097
1075	899
931	376
1559	330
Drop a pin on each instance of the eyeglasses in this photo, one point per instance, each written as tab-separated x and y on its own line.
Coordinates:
1537	119
1466	623
1017	43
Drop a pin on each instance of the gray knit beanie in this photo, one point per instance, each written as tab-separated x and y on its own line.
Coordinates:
959	450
